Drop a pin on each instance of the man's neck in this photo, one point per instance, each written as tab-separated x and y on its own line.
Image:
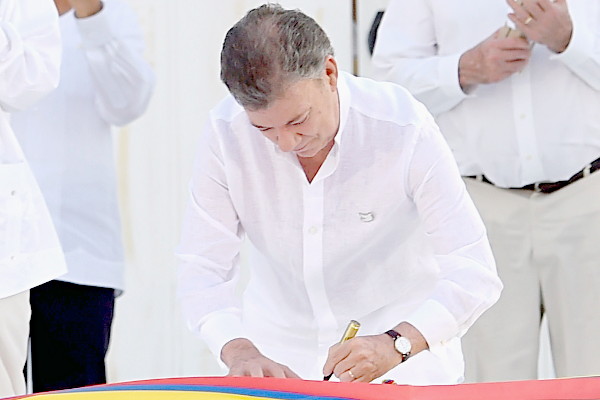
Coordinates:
311	165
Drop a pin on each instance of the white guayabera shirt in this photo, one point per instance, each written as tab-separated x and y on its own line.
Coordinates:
384	233
29	68
104	82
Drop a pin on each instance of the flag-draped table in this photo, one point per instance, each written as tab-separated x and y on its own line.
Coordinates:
245	388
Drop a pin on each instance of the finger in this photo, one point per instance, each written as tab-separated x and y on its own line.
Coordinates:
343	366
544	5
514	43
347	376
513	4
336	354
256	371
533	8
520	23
518	8
290	374
516	55
276	372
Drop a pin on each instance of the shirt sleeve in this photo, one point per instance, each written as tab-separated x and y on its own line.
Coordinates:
468	282
209	251
29	52
582	55
113	44
406	53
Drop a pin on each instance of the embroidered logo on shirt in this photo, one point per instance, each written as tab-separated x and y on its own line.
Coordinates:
366	217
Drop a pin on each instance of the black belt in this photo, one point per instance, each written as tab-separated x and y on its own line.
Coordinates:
549	187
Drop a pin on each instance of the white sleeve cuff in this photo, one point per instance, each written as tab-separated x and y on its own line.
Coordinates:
95	29
449	79
220	327
435	322
579	48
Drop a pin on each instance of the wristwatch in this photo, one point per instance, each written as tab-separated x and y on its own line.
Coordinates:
401	344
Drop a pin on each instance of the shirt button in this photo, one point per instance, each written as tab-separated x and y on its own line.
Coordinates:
13	192
312	230
529	157
522	116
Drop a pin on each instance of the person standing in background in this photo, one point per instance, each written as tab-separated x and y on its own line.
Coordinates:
105	82
30	252
521	115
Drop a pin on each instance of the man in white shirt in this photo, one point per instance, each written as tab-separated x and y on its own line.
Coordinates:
521	116
354	208
105	82
30	253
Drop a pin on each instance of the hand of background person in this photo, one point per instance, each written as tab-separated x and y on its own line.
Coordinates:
543	21
243	359
369	357
85	8
493	60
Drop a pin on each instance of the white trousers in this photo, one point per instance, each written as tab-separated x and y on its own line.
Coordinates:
14	335
547	249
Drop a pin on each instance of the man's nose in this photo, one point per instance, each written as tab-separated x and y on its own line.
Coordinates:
287	140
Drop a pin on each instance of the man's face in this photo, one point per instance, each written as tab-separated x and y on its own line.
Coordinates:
305	119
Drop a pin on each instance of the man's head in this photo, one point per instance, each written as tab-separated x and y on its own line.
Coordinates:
270	49
278	64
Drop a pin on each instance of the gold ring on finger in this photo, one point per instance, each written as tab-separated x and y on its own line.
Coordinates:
528	20
351	374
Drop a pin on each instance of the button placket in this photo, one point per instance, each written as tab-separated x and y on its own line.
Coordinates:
313	261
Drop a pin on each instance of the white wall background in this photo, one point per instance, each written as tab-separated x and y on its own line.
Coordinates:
155	154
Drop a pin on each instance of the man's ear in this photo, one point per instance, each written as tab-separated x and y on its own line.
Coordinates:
331	72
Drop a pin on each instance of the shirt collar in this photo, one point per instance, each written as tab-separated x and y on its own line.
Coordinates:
344	99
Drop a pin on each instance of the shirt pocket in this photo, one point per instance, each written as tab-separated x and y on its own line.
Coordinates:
14	194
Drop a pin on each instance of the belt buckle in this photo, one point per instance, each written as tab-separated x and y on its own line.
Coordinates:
536	187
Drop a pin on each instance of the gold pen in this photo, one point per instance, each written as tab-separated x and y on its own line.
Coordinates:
349	333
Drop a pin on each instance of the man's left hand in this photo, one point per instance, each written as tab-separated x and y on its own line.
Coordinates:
543	21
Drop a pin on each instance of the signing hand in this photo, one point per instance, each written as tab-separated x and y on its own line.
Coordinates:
543	21
244	359
365	358
493	60
362	359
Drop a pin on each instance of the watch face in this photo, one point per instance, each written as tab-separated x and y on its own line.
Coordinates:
403	345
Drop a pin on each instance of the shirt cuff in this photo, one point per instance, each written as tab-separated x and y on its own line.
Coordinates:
579	48
220	327
95	30
435	322
449	79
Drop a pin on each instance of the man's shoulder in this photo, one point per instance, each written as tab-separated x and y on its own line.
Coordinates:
227	110
384	101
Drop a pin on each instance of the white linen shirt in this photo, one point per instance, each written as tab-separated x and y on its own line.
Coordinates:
384	233
105	81
29	68
542	124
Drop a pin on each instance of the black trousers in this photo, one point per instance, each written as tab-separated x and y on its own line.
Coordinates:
70	332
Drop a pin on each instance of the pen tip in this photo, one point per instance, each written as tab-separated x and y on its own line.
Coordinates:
328	377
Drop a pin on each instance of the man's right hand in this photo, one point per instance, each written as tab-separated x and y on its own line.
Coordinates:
244	359
493	60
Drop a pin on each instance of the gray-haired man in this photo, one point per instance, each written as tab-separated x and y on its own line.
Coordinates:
354	208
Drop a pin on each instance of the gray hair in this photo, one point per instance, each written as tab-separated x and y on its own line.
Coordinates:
268	49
